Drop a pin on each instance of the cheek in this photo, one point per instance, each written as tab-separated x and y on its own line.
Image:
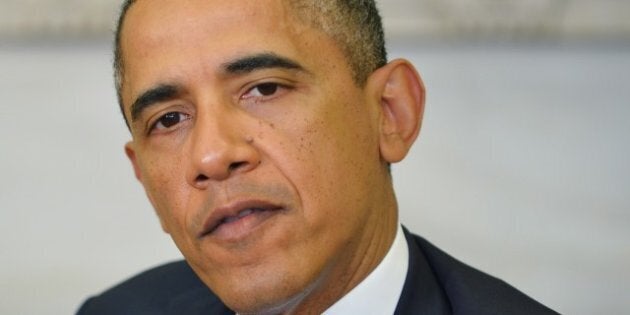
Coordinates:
331	156
166	187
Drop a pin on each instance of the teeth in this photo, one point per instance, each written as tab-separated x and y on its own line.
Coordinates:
245	212
230	219
240	215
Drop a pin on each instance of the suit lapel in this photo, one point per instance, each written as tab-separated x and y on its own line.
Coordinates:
198	301
421	293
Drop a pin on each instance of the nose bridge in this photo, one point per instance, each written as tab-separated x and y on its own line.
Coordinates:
220	145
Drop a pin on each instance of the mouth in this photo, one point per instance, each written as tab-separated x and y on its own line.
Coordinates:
237	220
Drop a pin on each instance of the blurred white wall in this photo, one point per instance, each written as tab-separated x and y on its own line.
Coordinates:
521	170
428	18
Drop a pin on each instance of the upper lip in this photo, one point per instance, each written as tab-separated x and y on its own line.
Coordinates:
220	214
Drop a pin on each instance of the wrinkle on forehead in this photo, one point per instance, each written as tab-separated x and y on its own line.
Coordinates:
163	12
149	24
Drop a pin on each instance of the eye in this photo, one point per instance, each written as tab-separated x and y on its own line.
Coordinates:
169	120
263	90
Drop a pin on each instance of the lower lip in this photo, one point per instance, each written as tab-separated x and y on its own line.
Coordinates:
243	227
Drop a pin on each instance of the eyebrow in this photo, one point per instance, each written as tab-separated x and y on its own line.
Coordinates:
261	61
240	66
160	93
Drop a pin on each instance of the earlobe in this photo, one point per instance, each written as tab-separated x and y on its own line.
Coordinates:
131	154
402	99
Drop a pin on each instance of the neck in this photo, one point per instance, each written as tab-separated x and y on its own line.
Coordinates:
355	262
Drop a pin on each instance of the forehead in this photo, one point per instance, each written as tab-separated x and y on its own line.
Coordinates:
165	12
161	19
215	30
157	21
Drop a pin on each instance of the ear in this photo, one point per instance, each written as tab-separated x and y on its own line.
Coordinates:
402	95
131	154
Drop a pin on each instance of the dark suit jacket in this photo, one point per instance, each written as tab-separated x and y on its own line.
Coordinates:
436	283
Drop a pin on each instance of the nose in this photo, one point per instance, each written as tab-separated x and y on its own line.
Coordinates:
220	147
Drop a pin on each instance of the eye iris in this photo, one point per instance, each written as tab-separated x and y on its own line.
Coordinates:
267	88
170	119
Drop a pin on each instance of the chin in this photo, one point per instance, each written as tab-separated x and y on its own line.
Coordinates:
261	295
263	304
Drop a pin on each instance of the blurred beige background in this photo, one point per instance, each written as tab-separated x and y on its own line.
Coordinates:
521	168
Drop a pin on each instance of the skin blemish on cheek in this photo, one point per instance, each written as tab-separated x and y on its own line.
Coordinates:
261	125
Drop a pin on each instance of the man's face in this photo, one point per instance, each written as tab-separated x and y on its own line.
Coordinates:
256	148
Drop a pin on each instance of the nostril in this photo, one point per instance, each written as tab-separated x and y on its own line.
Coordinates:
236	165
201	178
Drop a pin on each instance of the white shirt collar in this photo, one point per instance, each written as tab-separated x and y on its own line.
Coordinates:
380	291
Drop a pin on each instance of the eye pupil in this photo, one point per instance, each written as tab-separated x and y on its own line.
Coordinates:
170	119
268	88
